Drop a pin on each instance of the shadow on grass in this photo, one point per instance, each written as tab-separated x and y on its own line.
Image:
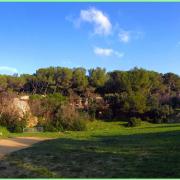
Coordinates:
149	155
156	127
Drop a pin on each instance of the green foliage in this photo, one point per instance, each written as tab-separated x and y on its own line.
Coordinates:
7	119
12	122
153	102
68	118
63	79
79	80
40	104
35	97
17	127
129	104
46	78
136	103
16	83
92	109
55	114
172	81
79	124
118	82
56	99
4	132
97	77
3	83
162	113
136	92
133	122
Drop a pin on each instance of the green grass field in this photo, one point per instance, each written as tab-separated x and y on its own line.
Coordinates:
106	149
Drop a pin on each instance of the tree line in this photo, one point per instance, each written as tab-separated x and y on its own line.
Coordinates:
135	93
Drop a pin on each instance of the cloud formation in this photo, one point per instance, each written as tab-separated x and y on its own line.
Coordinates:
107	52
103	51
124	36
103	26
8	70
100	21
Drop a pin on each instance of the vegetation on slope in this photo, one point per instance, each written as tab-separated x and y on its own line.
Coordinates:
136	93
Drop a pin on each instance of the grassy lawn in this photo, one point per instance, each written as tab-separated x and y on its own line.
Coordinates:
106	149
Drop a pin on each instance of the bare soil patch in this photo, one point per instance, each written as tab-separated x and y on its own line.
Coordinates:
10	145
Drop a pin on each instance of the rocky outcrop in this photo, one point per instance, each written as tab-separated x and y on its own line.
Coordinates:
21	106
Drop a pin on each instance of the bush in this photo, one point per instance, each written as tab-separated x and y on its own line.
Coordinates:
107	114
12	122
79	125
68	118
35	97
166	111
48	127
9	116
41	105
56	114
133	122
162	113
17	127
3	131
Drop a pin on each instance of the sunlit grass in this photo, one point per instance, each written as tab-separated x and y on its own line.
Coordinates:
105	149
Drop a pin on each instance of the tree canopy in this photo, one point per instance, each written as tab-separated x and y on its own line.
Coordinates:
136	92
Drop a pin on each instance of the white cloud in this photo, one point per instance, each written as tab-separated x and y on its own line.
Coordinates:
103	51
107	52
101	22
124	36
8	70
127	36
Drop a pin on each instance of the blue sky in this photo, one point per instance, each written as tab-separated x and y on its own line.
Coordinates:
111	35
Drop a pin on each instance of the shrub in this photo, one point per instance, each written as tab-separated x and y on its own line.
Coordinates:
35	97
56	114
68	118
12	122
133	122
79	125
107	114
48	127
17	127
92	109
162	113
41	105
92	113
9	116
4	131
166	111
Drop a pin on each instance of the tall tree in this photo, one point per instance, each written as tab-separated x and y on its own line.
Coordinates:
79	80
97	77
63	79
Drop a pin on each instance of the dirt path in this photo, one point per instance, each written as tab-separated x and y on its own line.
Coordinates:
13	144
